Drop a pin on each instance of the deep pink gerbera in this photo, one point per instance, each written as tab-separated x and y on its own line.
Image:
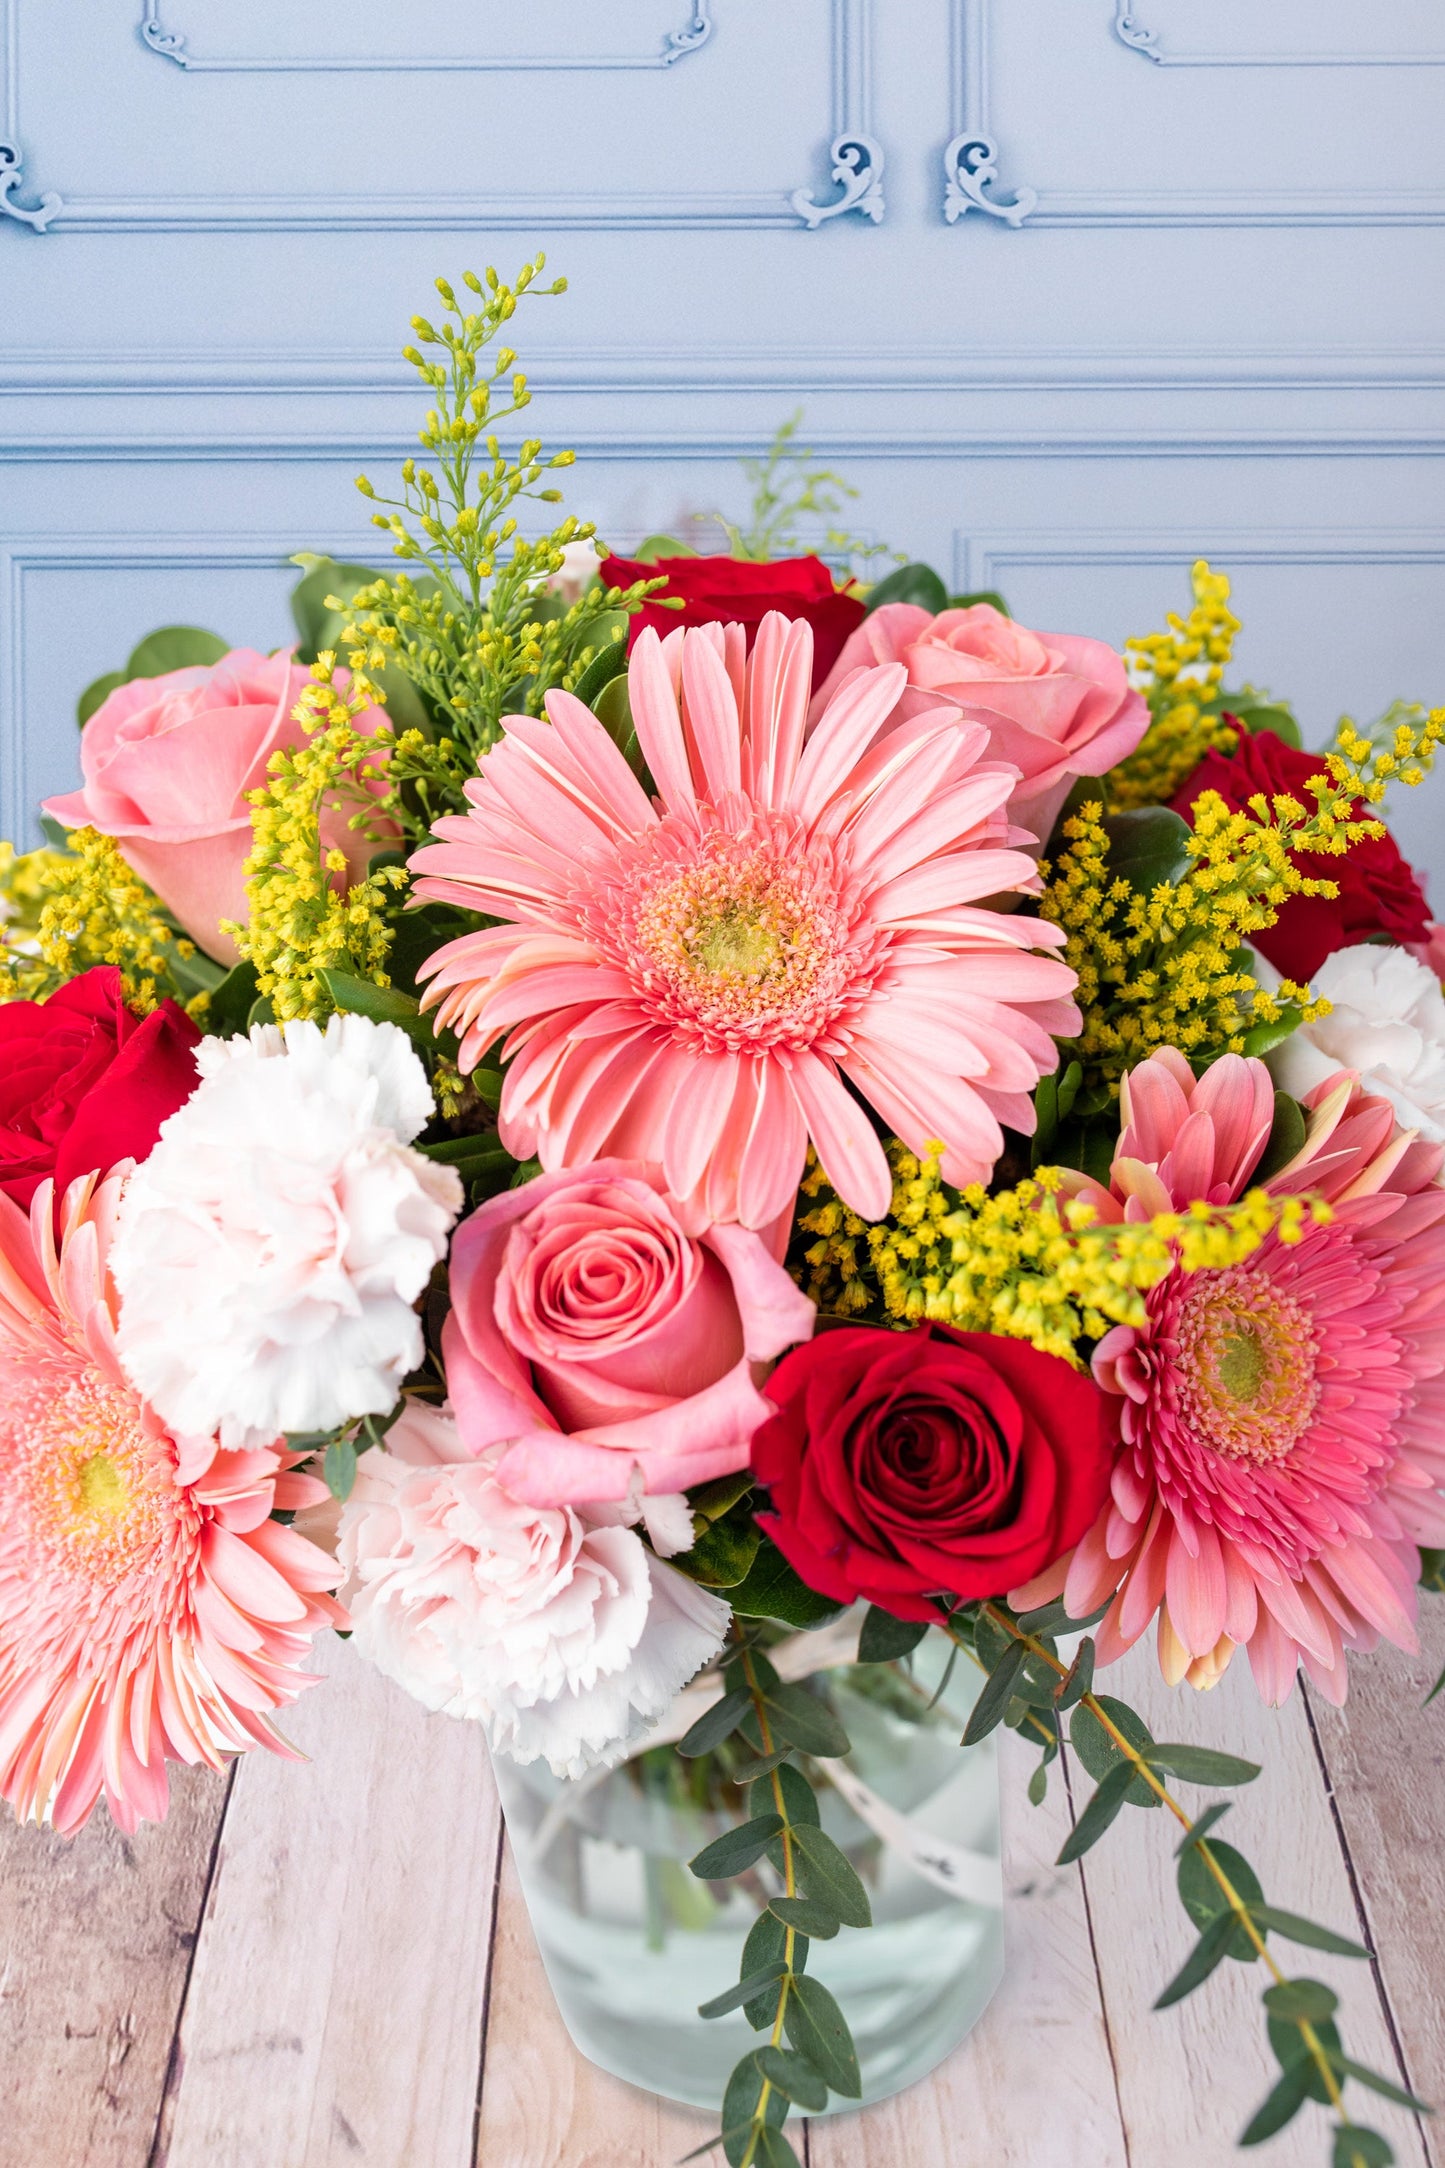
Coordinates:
149	1605
1284	1419
689	979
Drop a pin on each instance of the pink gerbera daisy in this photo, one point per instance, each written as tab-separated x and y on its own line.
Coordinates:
149	1605
690	978
1284	1418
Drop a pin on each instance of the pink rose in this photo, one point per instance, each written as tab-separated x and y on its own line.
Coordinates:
594	1336
1056	705
167	764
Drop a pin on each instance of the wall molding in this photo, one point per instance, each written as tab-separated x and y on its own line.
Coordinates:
853	155
1134	32
174	45
983	560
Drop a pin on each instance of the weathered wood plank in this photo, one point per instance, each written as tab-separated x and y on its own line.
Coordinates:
1198	2071
1033	2085
1386	1758
95	1942
335	2009
545	2106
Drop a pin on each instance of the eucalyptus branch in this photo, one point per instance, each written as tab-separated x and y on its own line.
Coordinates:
1217	1885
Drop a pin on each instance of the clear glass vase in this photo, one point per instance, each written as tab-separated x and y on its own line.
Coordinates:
633	1941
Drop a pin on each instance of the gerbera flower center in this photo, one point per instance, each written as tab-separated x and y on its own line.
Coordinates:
1246	1364
740	940
86	1477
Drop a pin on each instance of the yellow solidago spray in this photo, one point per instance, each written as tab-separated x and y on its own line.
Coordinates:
1180	672
67	911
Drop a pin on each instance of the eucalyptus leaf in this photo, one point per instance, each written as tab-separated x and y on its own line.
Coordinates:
1099	1753
752	1984
715	1724
826	1874
1103	1809
1292	2052
740	2105
1305	1932
338	1466
884	1639
736	1849
1282	2106
1202	1827
1202	1765
1291	2000
1204	1900
773	2149
774	1590
817	2028
1210	1950
1385	2087
767	1944
808	1915
1080	1678
988	1710
805	1721
1356	2147
794	2077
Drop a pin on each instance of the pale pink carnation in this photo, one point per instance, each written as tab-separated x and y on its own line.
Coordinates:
150	1607
1054	703
691	980
1282	1419
593	1338
566	1639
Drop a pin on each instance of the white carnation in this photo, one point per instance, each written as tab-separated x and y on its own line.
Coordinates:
1386	1020
565	1639
270	1250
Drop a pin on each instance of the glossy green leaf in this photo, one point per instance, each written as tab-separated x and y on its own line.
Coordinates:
916	583
715	1724
751	1984
608	663
1104	1808
884	1639
773	1590
794	2077
1148	846
1305	1932
1281	2107
657	546
722	1553
231	1003
362	997
175	647
816	2027
712	1500
826	1873
1202	1765
97	692
1286	1138
1099	1753
1210	1950
1204	1900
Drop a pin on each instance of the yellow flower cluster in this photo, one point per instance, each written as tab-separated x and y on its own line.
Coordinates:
1180	673
66	911
1030	1263
1165	969
300	921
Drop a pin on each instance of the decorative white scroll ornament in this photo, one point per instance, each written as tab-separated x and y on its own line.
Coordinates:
971	160
12	178
1130	31
855	154
858	169
173	45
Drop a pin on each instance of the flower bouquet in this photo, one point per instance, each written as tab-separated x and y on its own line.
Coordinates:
743	1174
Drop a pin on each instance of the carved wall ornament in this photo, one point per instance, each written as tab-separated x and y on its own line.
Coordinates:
971	159
173	45
12	179
1131	30
855	154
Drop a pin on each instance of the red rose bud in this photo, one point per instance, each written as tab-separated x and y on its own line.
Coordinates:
84	1083
731	591
908	1465
1378	892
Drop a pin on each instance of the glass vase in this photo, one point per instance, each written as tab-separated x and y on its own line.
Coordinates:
633	1941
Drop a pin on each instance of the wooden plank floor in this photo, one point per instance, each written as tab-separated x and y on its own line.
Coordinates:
330	1966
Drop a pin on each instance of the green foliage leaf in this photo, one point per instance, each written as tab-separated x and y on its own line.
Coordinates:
917	583
884	1638
1080	1677
317	626
1292	2000
741	2102
1295	1929
715	1724
751	1984
1038	1786
657	546
826	1874
1286	1136
1204	1900
232	1001
1202	1765
1202	1827
980	594
338	1465
817	2028
774	1590
175	647
1385	2087
1105	1806
1356	2147
97	692
736	1849
1099	1753
362	997
1292	2053
774	2150
808	1915
711	1501
1281	2107
988	1711
794	2077
722	1552
612	706
1209	1951
608	663
767	1944
805	1721
1148	846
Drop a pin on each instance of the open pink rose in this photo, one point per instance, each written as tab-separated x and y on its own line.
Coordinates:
1057	705
595	1337
167	763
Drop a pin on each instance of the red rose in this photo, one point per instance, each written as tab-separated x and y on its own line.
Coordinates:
83	1083
731	591
904	1465
1378	892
